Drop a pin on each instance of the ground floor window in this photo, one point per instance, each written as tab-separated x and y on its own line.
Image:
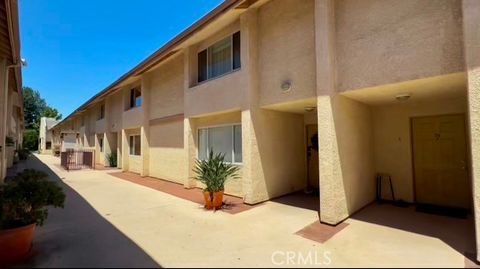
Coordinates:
48	145
134	143
222	139
100	143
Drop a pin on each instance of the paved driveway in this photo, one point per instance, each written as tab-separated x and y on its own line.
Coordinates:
108	222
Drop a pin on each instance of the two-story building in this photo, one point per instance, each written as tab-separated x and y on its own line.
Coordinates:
317	93
11	99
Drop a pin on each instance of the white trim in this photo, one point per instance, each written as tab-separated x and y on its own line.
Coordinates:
130	146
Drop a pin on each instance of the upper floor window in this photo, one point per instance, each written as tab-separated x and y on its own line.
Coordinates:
220	58
135	98
101	112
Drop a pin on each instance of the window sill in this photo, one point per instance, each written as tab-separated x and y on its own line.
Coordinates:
132	108
214	78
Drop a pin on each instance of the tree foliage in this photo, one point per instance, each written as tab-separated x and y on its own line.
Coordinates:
30	139
51	112
36	107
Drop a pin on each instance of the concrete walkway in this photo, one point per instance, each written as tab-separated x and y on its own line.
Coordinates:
108	222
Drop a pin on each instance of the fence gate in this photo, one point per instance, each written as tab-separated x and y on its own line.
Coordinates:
77	159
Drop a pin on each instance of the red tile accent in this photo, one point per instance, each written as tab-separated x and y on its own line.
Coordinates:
233	205
320	232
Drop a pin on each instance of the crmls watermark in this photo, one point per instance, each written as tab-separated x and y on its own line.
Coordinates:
282	258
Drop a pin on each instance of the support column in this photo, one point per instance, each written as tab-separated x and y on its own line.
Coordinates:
471	35
189	138
253	176
125	152
333	203
145	129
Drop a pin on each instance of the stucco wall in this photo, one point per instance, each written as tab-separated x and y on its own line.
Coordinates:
353	127
114	109
132	118
347	177
392	134
167	88
280	162
167	152
286	49
387	41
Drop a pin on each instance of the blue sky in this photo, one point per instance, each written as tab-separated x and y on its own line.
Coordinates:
74	49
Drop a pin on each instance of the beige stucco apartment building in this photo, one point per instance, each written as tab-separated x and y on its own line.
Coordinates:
317	93
11	100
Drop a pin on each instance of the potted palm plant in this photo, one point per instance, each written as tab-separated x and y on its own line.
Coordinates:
23	202
214	172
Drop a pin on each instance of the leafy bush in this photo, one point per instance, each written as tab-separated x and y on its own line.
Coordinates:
112	159
24	199
30	139
214	172
23	153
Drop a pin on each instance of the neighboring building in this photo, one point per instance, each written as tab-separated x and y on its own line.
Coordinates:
11	99
45	140
389	86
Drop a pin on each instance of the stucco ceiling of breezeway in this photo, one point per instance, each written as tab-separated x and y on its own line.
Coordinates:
297	106
432	88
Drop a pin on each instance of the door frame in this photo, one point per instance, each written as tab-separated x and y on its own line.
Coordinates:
467	147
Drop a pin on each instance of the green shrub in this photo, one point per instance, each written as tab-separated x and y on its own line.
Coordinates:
30	139
23	153
214	172
24	199
112	159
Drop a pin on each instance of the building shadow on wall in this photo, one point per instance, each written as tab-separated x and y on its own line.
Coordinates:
78	236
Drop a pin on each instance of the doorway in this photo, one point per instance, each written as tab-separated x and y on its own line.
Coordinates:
312	155
440	161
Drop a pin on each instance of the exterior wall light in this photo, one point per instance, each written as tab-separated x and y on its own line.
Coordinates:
403	97
286	86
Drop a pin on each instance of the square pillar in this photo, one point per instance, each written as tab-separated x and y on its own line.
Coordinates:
145	129
333	202
471	35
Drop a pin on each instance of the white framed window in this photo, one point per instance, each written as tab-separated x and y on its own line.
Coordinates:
221	139
134	98
134	144
220	58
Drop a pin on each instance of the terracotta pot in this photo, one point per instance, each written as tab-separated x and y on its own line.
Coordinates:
208	200
217	199
213	201
15	243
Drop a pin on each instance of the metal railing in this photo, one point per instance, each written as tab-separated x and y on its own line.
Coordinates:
77	159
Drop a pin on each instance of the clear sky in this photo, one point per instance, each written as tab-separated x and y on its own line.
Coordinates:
76	48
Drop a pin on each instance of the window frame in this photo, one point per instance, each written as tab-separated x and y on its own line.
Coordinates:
132	144
232	57
232	125
101	113
132	100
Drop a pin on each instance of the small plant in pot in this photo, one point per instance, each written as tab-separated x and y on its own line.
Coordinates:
23	202
214	172
112	159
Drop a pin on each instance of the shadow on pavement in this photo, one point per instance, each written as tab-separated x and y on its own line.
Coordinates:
78	236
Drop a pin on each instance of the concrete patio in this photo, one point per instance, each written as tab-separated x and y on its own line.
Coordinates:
109	222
